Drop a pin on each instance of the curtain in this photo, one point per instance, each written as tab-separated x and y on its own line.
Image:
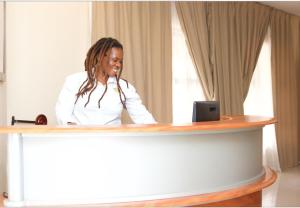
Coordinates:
224	41
186	84
144	29
285	75
259	101
193	19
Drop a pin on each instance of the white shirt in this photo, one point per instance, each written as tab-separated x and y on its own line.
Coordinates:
110	105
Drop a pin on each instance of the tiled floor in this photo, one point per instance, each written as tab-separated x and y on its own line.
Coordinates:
285	192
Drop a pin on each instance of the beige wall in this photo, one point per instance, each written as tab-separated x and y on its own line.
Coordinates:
2	104
45	42
2	137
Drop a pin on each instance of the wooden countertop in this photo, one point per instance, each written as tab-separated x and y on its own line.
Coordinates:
226	122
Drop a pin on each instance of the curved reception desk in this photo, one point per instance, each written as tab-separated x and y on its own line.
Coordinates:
197	164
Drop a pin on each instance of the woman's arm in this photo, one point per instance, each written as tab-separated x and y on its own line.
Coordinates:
137	111
65	103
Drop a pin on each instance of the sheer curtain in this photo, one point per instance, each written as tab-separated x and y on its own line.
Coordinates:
185	82
259	101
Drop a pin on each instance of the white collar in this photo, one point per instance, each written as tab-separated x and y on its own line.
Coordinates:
111	80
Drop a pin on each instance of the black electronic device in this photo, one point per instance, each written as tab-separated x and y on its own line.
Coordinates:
206	111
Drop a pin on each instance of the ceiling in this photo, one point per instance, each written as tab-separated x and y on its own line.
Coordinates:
292	7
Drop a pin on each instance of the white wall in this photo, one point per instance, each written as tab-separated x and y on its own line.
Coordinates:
2	137
2	104
45	42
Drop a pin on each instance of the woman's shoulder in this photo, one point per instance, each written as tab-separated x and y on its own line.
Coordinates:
125	85
76	77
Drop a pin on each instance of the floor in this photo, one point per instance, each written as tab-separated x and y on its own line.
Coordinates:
285	192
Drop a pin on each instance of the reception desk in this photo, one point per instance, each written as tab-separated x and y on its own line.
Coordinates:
203	164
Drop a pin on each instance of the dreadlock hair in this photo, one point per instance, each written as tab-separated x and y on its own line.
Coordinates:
94	56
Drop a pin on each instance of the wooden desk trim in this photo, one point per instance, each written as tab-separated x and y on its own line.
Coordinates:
225	123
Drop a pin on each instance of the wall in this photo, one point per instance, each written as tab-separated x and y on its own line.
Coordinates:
2	103
2	137
45	41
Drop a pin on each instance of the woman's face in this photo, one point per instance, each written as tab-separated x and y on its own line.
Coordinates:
112	62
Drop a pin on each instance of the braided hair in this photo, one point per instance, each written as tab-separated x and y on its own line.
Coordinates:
95	56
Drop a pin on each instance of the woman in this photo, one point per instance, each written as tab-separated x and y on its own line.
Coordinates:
98	95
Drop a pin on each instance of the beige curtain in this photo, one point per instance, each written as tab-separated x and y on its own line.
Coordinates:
193	19
144	29
285	75
224	39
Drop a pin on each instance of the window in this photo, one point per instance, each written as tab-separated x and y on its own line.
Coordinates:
186	85
259	101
